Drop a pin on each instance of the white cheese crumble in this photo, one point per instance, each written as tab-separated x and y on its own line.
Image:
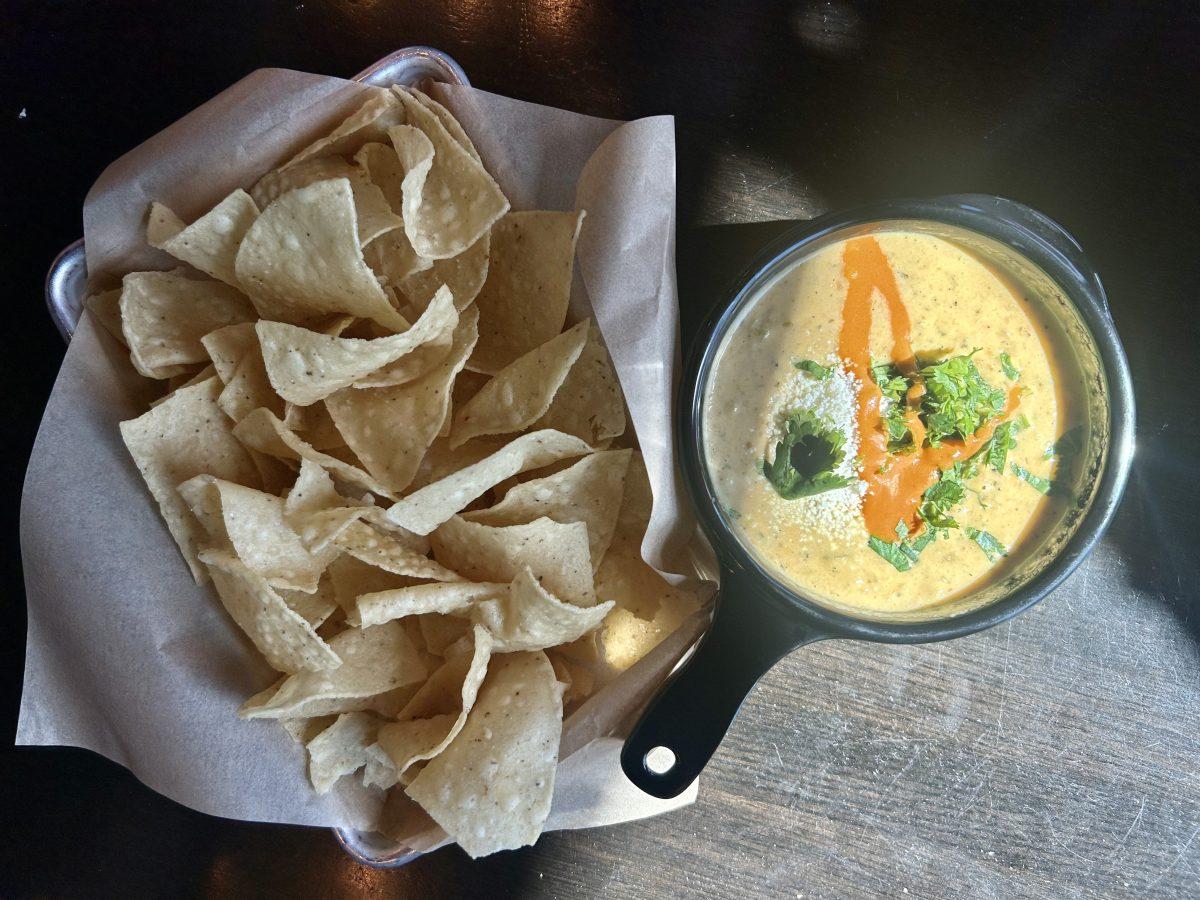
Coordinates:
836	514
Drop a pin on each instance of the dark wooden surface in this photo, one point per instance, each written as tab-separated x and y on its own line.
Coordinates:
1054	756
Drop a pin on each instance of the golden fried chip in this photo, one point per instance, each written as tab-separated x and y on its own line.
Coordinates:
186	436
106	307
456	201
306	366
370	122
374	660
302	259
390	428
383	551
448	695
352	578
491	787
556	553
264	432
589	491
285	639
425	509
164	315
254	523
523	302
313	425
521	392
374	217
211	242
249	389
528	617
342	749
442	597
589	404
314	608
463	274
315	510
227	346
450	123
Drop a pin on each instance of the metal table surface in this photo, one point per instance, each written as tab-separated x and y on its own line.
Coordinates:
1054	756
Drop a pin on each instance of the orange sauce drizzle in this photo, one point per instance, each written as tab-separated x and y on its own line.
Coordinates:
895	482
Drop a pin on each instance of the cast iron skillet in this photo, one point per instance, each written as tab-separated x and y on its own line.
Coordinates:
757	619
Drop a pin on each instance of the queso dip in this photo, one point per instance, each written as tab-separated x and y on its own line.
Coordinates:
884	422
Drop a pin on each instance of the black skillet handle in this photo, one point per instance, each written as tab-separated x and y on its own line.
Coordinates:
691	714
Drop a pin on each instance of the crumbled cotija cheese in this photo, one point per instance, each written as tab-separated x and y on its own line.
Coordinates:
835	514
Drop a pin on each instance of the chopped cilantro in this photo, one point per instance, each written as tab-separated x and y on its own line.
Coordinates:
957	400
901	529
1003	439
1010	371
903	554
894	387
813	368
1037	481
940	498
732	513
991	547
805	458
891	552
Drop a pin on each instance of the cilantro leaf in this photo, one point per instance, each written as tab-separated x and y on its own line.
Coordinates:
894	387
813	368
1037	481
991	547
946	493
891	552
805	458
957	400
901	529
1010	371
928	536
1003	439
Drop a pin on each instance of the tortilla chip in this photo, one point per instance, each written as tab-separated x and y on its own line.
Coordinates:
211	242
425	509
444	597
464	274
590	491
390	428
302	259
411	366
374	660
263	431
529	617
249	389
306	366
186	436
164	315
457	200
523	303
589	404
352	578
491	787
227	346
304	730
451	124
184	381
521	392
374	217
313	425
374	548
106	307
392	258
315	510
557	554
369	122
282	636
341	749
254	524
627	637
315	608
449	695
